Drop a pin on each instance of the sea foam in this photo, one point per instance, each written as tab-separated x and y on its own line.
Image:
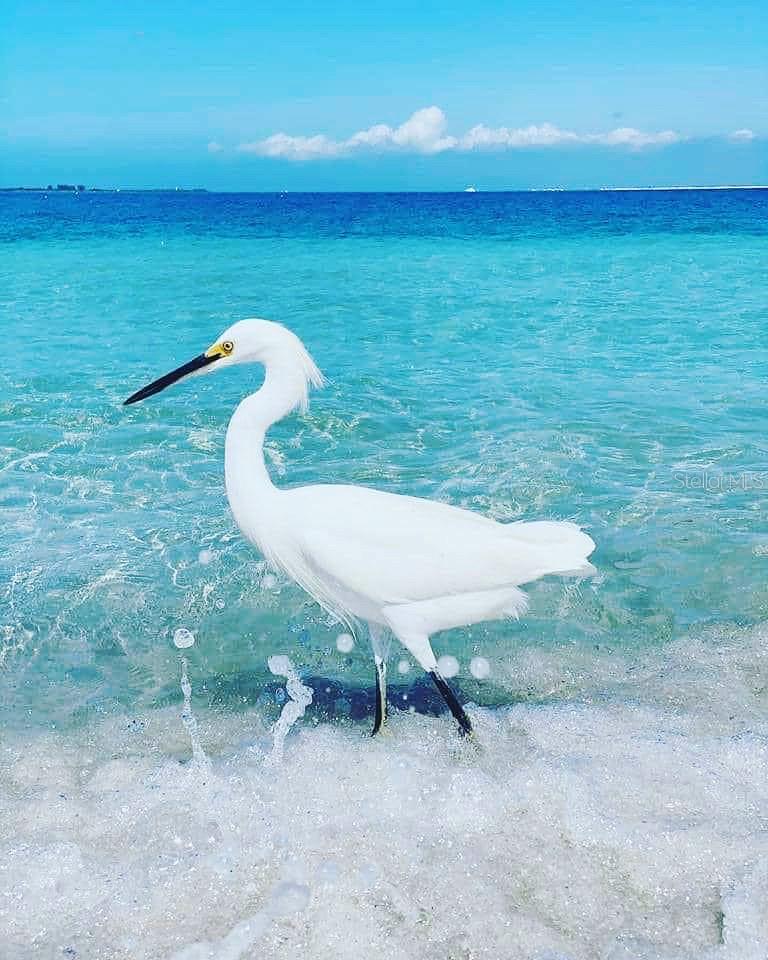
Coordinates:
588	825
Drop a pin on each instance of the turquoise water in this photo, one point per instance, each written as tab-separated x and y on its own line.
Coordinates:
597	357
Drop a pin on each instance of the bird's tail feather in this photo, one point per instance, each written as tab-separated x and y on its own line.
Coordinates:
516	603
564	546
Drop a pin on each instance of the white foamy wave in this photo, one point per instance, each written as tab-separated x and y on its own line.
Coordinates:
601	827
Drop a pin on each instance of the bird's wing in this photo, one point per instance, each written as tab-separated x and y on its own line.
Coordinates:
395	549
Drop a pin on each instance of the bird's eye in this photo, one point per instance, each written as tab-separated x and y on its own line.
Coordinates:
227	347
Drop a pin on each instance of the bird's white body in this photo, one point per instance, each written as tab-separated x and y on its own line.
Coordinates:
416	566
406	564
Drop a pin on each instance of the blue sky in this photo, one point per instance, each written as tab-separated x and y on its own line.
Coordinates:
384	96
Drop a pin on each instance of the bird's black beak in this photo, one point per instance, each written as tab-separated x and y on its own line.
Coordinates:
210	356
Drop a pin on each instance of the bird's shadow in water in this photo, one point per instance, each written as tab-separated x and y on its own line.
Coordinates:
332	700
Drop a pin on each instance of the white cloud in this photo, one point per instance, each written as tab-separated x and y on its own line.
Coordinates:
548	135
294	148
425	132
742	136
635	139
214	147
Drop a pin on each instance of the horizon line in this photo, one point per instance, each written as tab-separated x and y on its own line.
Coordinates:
459	190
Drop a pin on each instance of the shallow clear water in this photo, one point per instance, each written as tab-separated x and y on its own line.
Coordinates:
596	357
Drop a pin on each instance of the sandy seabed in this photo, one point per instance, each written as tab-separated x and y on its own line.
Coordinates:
624	820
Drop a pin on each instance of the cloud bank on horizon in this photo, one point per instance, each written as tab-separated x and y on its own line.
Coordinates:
742	136
425	132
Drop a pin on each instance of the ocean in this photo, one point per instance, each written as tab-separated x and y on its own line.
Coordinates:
597	357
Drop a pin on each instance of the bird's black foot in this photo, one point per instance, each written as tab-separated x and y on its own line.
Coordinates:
381	698
465	724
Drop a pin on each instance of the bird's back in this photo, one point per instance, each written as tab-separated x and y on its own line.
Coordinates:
393	549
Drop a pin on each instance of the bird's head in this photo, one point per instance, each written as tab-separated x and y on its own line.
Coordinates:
247	341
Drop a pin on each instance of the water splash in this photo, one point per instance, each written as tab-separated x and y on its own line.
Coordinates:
300	697
479	668
199	759
448	666
183	638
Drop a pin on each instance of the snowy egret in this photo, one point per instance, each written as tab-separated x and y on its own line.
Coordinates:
405	565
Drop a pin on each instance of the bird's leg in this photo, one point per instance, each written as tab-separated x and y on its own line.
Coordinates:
417	643
380	717
465	724
380	644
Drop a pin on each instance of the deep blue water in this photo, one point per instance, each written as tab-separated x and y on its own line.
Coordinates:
592	356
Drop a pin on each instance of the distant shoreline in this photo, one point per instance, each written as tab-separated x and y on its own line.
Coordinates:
71	188
67	189
756	186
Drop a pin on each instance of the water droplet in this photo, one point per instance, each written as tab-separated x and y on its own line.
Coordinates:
183	638
345	642
448	666
479	668
205	557
404	666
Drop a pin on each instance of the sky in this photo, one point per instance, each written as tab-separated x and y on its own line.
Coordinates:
397	96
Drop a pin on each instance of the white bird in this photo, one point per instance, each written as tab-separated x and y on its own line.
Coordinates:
405	565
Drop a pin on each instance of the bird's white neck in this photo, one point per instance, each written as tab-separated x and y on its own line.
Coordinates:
250	490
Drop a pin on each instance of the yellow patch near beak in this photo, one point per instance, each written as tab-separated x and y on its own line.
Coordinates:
220	349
